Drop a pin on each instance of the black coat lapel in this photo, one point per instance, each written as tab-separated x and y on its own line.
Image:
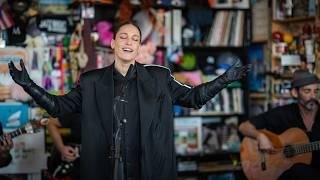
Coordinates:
147	93
104	98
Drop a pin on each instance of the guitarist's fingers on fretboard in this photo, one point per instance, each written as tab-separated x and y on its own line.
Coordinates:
6	143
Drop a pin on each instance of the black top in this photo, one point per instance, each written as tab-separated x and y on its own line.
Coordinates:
125	88
73	122
279	119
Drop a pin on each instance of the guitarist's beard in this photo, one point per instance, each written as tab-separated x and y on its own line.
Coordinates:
309	105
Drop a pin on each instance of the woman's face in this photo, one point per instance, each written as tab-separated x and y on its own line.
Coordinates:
126	43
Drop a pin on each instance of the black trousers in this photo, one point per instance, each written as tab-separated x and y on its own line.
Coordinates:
300	172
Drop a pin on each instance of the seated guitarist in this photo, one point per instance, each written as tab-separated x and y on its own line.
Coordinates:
66	151
303	114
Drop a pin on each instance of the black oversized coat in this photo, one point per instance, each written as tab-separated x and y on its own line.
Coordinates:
157	92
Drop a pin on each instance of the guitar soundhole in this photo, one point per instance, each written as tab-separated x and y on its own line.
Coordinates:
289	151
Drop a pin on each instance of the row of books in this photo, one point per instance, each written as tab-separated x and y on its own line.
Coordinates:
227	29
241	4
228	101
168	28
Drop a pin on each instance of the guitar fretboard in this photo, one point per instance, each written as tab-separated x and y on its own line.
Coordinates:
303	148
14	134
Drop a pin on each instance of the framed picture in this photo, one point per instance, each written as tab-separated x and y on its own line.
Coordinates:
188	135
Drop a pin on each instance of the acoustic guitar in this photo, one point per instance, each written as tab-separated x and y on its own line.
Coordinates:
291	147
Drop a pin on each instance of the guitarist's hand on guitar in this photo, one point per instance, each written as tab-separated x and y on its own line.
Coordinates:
69	153
6	145
264	143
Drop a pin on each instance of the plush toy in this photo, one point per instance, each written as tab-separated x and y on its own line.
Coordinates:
104	29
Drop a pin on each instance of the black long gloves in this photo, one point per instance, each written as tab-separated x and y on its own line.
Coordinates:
22	78
235	73
207	90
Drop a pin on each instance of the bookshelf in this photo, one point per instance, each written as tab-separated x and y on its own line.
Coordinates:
292	30
219	151
219	154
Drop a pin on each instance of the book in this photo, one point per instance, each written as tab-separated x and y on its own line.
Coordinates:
187	135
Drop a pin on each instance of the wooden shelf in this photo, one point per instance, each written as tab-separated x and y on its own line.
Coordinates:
279	76
214	113
230	9
195	48
211	167
210	170
259	41
203	156
63	15
116	5
217	50
76	3
283	96
258	95
294	19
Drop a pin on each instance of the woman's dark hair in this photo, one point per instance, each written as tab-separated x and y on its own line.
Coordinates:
117	28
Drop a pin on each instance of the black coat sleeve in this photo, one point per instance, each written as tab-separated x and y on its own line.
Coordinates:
185	95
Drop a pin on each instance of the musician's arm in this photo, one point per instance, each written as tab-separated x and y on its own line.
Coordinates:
53	128
249	130
68	153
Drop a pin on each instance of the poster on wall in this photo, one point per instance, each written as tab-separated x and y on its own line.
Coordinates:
28	154
13	115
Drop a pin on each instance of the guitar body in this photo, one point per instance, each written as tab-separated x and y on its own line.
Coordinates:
276	163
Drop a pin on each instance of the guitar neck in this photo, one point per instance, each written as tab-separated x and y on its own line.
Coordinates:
305	148
14	133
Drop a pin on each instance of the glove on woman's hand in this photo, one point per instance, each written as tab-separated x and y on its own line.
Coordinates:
20	77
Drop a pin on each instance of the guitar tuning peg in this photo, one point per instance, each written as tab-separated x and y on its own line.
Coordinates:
44	121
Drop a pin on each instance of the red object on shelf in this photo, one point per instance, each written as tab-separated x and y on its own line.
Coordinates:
277	36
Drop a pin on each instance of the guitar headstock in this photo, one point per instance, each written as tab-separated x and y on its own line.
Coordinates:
33	126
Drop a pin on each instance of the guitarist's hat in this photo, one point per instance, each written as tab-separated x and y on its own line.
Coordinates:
303	77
